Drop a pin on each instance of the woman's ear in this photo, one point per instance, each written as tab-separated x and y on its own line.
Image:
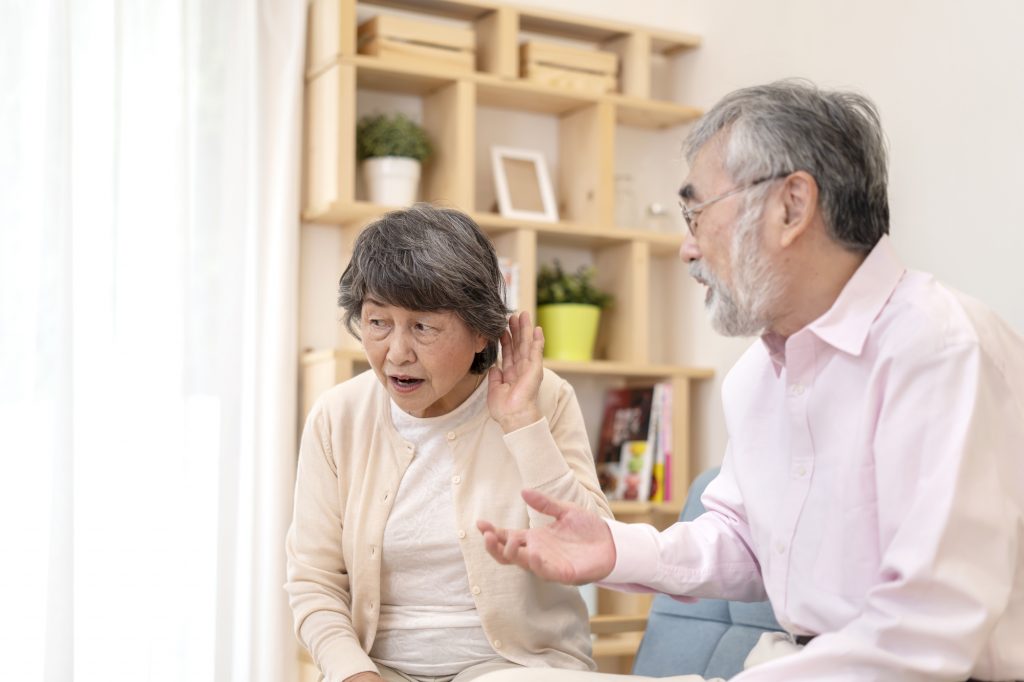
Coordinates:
800	206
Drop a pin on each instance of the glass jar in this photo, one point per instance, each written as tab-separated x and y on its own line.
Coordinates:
656	218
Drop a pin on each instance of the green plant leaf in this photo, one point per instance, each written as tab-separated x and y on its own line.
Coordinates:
395	135
554	285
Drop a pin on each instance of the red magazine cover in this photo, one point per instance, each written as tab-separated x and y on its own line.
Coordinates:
626	416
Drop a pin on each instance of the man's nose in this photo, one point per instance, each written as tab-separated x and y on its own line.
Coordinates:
689	251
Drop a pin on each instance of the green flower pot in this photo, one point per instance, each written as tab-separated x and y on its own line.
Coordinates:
570	330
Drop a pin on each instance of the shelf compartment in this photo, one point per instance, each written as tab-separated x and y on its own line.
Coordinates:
524	96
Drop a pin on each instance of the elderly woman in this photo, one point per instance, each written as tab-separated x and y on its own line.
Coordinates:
387	577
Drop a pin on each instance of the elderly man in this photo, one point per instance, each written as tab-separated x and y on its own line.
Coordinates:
873	486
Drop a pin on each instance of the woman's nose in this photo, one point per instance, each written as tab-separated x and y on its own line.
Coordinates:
400	349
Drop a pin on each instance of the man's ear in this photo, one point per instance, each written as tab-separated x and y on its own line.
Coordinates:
800	205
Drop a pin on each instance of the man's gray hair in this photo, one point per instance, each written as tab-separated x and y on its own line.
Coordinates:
793	125
428	258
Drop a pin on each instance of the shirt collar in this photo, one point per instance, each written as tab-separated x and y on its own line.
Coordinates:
846	324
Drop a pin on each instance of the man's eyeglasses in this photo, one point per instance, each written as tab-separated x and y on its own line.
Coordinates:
690	212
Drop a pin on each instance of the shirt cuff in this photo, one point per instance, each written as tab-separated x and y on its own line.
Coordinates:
637	557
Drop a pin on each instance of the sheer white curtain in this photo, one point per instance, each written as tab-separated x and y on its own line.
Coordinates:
148	267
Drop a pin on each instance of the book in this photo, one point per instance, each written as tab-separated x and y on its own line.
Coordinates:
635	471
626	417
661	473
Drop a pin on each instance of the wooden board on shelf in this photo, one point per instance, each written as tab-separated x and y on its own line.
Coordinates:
654	114
610	624
627	369
622	644
466	10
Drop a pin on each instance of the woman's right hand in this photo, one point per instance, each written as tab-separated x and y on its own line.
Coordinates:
512	389
364	677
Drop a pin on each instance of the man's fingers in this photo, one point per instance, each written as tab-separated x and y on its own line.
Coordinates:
494	546
544	504
512	545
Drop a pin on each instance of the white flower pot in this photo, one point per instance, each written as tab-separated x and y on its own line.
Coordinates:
392	180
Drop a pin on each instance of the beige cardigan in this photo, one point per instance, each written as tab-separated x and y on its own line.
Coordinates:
351	461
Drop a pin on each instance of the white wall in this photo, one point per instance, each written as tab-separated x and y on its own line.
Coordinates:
948	78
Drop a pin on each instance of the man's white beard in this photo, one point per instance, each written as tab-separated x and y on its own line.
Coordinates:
746	309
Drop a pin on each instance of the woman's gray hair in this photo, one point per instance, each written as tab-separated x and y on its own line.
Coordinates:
793	125
428	258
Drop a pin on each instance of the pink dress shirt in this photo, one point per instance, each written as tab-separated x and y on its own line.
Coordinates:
873	489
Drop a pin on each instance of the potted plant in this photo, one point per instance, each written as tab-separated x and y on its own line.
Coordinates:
569	310
391	149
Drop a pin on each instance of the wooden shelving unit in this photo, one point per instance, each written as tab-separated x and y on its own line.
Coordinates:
337	76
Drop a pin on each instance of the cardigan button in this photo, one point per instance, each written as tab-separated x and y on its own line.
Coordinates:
476	589
497	644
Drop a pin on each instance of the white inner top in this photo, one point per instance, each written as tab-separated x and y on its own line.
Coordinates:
428	620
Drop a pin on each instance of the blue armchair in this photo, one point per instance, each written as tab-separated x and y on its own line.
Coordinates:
711	637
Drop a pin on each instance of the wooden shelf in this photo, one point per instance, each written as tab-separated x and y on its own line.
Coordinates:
338	79
594	367
649	113
622	508
628	370
563	232
546	22
610	624
623	644
373	73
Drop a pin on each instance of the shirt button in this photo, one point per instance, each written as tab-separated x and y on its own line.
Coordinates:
797	389
462	534
456	479
497	644
801	470
476	589
451	435
780	548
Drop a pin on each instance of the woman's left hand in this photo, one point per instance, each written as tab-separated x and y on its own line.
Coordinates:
512	390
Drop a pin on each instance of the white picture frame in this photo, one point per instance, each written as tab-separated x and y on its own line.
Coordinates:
522	184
